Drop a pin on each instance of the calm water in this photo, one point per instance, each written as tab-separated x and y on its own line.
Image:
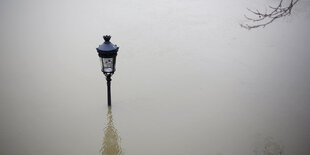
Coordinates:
189	79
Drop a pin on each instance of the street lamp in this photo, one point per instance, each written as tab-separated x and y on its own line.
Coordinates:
107	53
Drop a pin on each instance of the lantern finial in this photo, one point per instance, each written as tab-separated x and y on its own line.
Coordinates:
107	38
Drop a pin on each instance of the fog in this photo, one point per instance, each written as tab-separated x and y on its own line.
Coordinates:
189	79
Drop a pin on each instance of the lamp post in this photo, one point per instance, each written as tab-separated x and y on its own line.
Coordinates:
107	53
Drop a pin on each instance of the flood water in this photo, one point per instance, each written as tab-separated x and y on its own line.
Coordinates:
189	79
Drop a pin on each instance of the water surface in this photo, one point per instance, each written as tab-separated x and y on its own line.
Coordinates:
189	79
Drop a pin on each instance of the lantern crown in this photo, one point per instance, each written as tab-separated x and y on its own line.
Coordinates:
107	49
107	38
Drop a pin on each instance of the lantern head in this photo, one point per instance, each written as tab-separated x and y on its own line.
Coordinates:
107	53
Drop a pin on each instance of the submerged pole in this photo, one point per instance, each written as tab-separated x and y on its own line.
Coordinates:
109	89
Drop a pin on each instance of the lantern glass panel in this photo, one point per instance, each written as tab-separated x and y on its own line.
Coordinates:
107	65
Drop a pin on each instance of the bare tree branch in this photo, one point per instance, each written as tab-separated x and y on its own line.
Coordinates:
263	19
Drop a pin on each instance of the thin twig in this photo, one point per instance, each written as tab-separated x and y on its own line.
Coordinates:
263	19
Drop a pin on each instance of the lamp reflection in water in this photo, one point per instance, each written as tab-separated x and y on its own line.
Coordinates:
111	142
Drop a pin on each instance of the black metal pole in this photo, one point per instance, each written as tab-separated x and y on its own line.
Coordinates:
109	89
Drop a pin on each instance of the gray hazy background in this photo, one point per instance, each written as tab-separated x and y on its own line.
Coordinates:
189	79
